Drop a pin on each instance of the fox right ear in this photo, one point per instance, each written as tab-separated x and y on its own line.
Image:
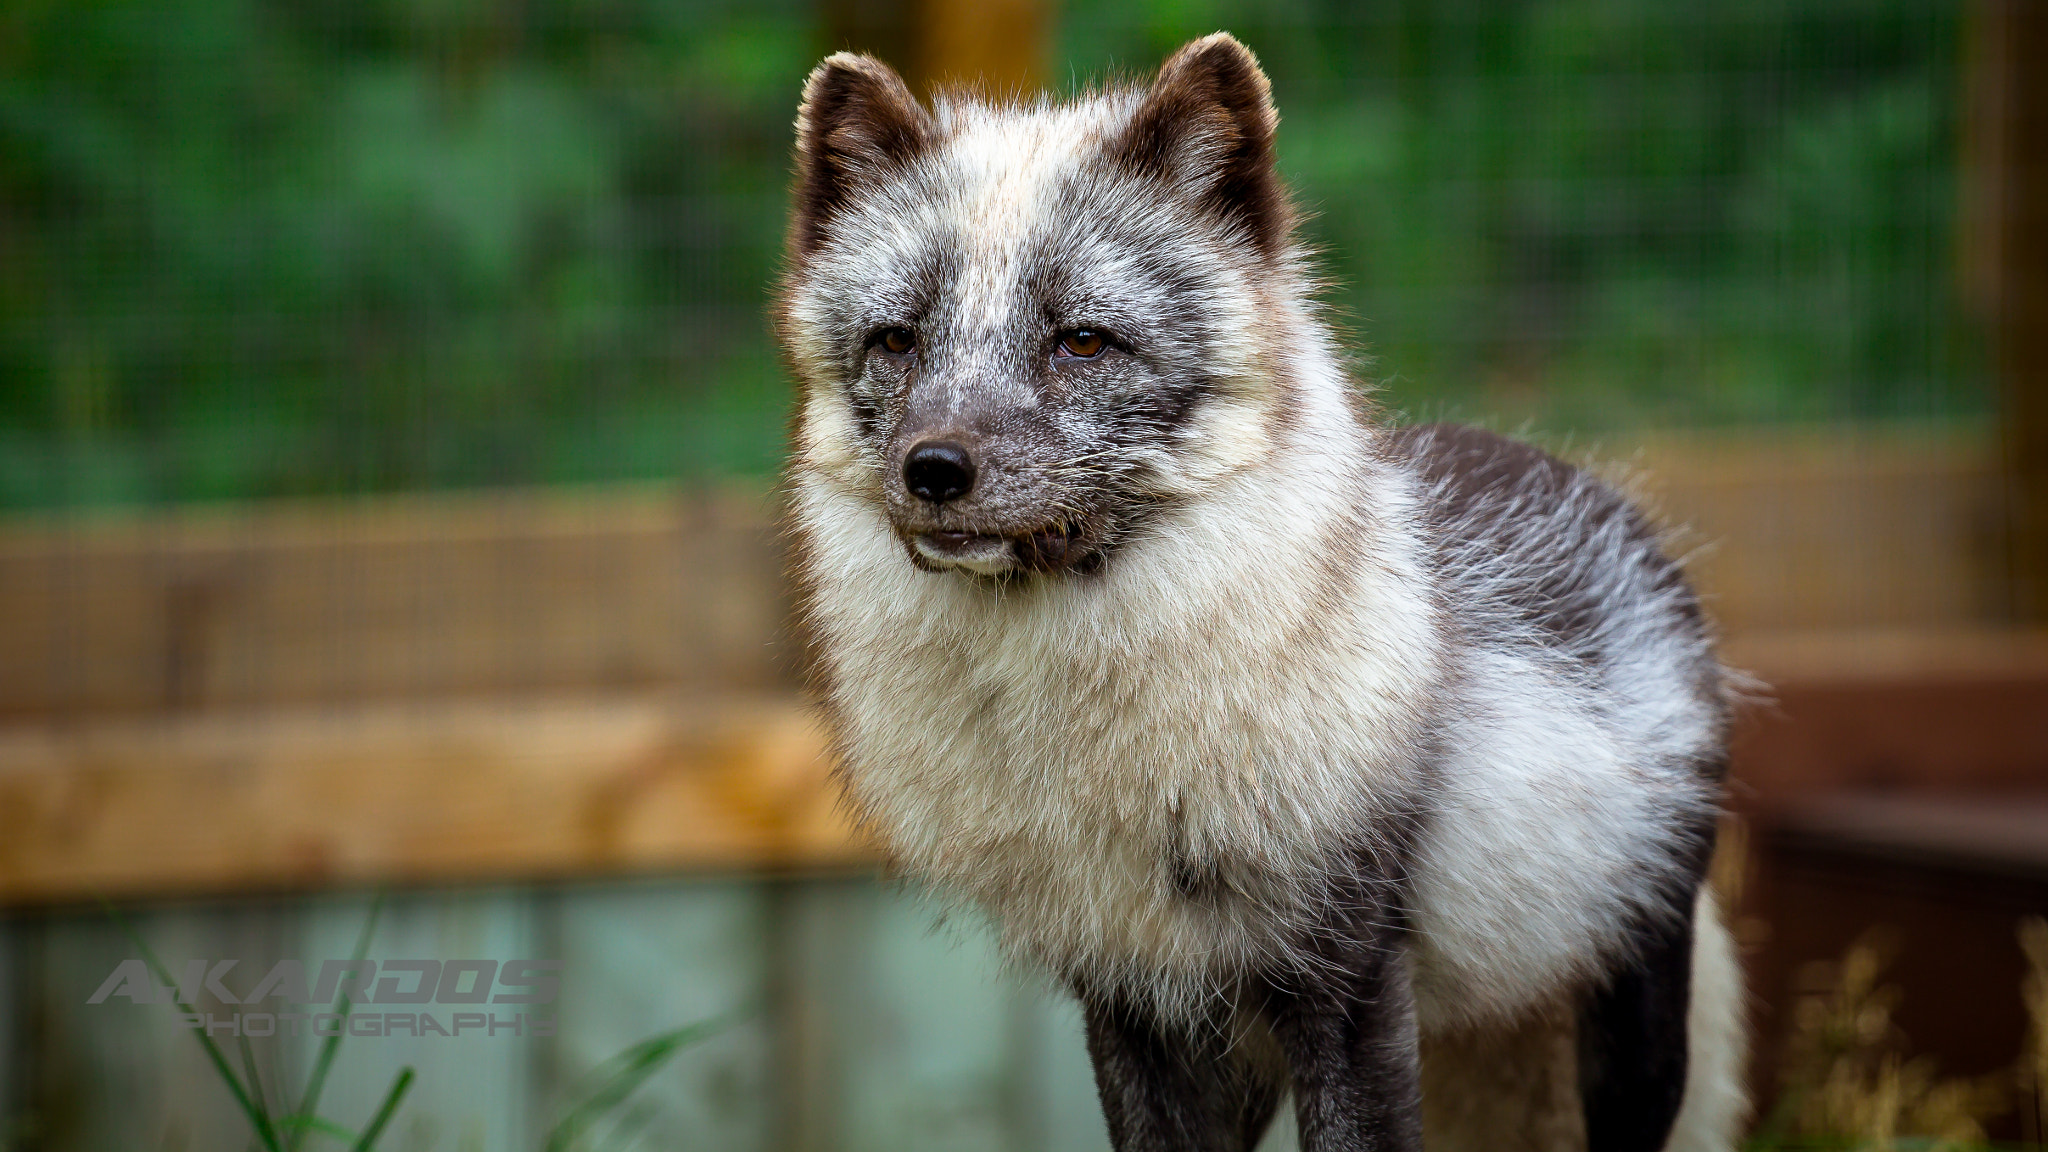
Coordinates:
1206	126
858	123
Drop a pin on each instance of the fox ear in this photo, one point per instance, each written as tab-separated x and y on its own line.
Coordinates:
1206	126
857	124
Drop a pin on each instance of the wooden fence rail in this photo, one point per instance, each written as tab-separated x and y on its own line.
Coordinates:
546	685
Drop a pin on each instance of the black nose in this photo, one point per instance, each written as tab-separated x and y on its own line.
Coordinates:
938	471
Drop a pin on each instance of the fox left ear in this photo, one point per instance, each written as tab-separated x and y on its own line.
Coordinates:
857	125
1206	126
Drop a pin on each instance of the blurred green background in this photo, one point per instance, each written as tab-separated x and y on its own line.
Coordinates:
252	248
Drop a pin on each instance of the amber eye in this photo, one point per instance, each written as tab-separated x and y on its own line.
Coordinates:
898	341
1082	343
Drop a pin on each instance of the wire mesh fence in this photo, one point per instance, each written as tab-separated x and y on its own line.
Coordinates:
263	248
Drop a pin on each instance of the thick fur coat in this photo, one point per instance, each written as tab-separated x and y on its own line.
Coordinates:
1301	748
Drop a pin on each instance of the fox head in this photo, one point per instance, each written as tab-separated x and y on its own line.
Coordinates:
1020	332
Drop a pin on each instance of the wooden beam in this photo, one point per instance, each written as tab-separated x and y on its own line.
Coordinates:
526	685
562	786
1914	712
414	597
503	790
1797	530
428	598
996	46
2006	261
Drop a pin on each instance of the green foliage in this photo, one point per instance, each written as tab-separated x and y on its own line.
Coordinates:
259	247
605	1091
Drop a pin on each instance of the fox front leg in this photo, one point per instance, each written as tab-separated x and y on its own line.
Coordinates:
1168	1088
1347	1026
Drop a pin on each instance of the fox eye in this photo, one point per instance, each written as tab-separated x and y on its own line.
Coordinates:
1082	344
897	341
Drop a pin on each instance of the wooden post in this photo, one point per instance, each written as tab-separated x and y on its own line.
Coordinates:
995	46
2007	273
886	29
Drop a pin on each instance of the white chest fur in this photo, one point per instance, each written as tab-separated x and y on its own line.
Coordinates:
1242	692
1223	697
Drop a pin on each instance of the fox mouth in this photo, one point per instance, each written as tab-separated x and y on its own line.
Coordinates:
1054	548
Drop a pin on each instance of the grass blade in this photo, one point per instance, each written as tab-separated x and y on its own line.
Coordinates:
309	1101
390	1105
617	1078
323	1127
628	1128
259	1118
255	1081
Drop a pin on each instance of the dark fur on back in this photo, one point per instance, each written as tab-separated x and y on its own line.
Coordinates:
1516	527
1561	542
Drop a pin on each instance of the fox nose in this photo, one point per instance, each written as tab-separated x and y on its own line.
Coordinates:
938	470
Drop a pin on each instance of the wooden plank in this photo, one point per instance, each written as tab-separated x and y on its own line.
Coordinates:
165	740
566	786
83	1058
463	791
915	1079
419	598
1889	655
998	46
2005	255
898	1036
473	1091
406	597
1954	711
2001	838
1808	531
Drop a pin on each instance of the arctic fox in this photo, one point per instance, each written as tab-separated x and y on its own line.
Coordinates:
1376	766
